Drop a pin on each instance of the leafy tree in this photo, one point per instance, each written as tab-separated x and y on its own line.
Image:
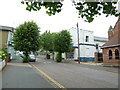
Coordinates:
47	42
63	43
26	38
87	10
91	9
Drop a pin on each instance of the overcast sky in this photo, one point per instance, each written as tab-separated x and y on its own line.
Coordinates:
13	13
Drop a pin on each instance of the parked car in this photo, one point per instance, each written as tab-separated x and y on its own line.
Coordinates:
22	55
32	58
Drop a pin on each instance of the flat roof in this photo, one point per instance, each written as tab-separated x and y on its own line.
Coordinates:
100	38
6	28
103	47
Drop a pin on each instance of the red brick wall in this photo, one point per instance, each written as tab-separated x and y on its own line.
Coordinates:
116	30
117	27
106	50
106	55
96	57
110	34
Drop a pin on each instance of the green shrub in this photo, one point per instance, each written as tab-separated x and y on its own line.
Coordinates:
59	57
3	53
25	59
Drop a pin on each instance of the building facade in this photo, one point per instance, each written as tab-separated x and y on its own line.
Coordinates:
88	43
111	49
99	41
5	36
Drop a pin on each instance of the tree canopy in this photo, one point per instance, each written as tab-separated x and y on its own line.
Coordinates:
86	10
63	43
56	42
47	41
26	38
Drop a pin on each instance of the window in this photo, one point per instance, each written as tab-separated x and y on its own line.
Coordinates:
97	46
117	54
110	54
87	39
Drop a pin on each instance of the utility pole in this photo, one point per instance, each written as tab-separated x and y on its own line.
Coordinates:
78	43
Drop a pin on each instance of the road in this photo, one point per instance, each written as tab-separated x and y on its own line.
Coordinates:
71	75
50	74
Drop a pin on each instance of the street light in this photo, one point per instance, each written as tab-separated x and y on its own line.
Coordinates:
78	43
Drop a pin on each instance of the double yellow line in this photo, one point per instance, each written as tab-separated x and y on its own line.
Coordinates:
48	77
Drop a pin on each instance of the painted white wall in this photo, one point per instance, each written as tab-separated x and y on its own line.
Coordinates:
0	77
73	33
76	53
83	34
9	36
99	44
2	64
9	40
85	50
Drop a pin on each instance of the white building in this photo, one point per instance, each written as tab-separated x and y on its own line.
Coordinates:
89	44
100	41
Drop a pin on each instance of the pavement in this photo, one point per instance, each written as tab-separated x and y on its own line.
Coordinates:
22	75
88	63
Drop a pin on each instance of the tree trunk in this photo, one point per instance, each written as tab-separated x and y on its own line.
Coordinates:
59	57
53	55
26	58
48	56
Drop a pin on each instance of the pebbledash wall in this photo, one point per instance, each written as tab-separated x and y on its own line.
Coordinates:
87	42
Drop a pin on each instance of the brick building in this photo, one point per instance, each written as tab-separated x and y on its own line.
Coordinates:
111	49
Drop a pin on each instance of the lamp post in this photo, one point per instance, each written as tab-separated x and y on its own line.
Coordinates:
78	43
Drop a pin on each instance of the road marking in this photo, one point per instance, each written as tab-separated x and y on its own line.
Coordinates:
55	82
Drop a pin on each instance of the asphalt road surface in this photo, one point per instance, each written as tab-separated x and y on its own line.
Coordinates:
71	75
50	74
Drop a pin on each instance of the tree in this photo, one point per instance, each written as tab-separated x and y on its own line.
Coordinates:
63	43
87	10
26	38
47	42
